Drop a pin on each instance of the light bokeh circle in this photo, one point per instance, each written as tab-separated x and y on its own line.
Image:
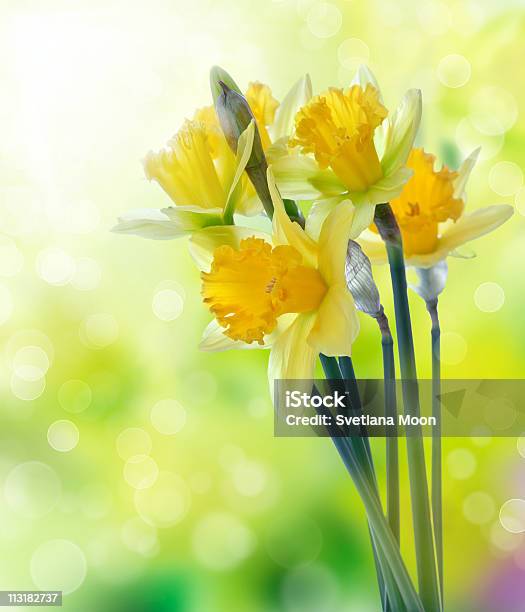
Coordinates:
32	489
63	435
165	503
58	565
512	515
489	297
168	416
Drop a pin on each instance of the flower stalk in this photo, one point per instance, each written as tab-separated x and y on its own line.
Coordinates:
401	592
423	534
356	449
392	448
437	477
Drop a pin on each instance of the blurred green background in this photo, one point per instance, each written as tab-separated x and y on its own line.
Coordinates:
138	474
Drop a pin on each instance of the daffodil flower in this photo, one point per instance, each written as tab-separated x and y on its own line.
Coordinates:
349	149
430	212
285	291
202	176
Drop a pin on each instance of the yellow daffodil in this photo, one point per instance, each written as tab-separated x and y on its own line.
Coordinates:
202	176
430	214
285	291
349	149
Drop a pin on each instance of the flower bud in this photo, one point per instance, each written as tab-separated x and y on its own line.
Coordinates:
431	281
235	116
218	74
360	282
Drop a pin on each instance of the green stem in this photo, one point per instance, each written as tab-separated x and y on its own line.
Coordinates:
437	478
392	448
423	535
360	446
388	546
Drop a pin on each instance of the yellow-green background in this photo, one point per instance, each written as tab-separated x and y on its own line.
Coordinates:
88	87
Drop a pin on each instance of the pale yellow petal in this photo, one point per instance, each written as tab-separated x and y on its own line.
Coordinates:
291	356
244	150
166	224
298	96
401	130
215	340
373	247
333	242
300	178
364	76
286	231
317	216
336	325
203	243
466	168
466	228
473	225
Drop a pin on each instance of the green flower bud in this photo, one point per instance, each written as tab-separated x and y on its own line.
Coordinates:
218	74
235	115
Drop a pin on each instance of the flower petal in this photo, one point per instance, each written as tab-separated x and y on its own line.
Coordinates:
386	189
373	247
300	178
464	173
291	356
244	150
365	76
344	222
298	96
317	215
215	340
336	325
166	224
401	129
286	231
203	243
432	281
473	225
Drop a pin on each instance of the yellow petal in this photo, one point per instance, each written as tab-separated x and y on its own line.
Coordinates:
215	340
318	214
466	168
291	356
166	224
203	243
333	243
244	150
364	76
298	96
473	225
286	231
337	325
300	178
373	247
401	130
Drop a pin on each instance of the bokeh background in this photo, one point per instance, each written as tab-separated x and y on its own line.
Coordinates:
138	474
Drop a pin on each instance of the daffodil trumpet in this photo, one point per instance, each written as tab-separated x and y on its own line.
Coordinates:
432	218
202	175
346	147
285	292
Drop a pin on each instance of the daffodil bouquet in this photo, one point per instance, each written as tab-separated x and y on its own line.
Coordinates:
372	197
